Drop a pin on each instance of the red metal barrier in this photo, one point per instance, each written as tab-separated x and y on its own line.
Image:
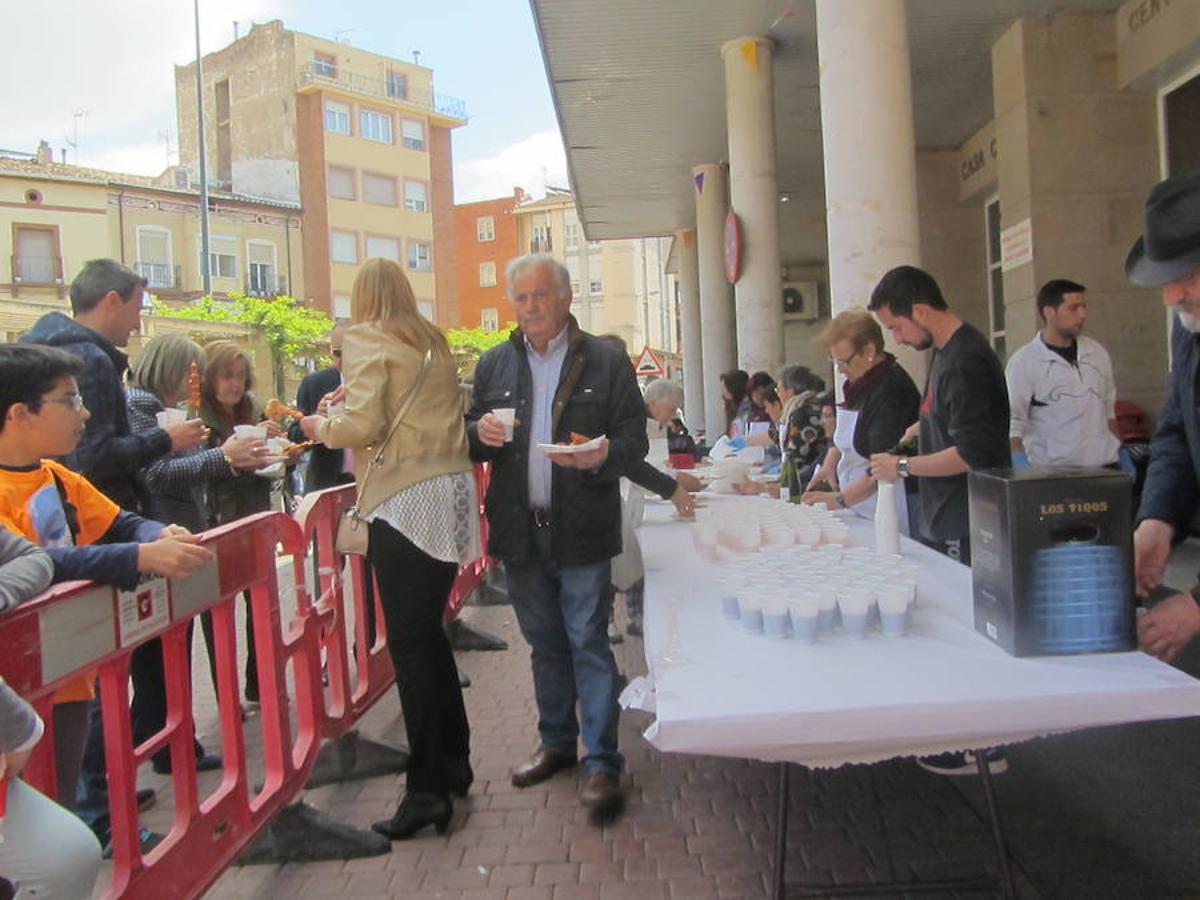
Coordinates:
82	626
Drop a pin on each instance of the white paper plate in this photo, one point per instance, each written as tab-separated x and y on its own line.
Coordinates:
275	470
593	444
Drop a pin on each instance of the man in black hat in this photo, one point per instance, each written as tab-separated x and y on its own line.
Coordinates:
1168	256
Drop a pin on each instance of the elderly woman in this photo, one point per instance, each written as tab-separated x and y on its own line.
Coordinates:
880	402
417	497
800	432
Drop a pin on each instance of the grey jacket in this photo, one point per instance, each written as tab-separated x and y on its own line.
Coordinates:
25	571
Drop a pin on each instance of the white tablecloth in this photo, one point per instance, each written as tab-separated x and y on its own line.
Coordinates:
716	690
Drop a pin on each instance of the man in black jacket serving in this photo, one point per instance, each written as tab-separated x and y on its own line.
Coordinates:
556	517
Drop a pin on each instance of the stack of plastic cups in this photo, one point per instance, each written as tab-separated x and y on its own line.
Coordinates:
827	609
750	606
728	586
894	610
775	614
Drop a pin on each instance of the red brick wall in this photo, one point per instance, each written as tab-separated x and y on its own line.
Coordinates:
471	252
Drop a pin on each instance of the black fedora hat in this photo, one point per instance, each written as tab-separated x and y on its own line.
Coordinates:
1170	247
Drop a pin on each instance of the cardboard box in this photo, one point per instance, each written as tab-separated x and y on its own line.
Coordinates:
1052	560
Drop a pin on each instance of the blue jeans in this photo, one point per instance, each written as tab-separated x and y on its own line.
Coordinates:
563	613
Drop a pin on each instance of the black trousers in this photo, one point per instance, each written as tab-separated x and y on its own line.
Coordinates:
413	588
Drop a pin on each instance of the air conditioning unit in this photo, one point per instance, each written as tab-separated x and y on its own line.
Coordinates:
801	301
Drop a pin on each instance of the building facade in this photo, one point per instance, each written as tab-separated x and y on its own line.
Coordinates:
486	238
360	140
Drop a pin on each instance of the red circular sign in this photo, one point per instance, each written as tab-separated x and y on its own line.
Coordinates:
734	247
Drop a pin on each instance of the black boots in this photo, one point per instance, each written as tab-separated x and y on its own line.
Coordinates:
416	812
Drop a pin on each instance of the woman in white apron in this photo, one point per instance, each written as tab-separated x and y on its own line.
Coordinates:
880	402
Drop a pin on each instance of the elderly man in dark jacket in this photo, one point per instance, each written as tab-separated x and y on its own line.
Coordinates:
1168	256
556	517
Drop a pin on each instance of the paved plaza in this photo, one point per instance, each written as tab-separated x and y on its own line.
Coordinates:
1103	813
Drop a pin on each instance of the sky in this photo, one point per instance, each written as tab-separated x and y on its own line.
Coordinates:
100	76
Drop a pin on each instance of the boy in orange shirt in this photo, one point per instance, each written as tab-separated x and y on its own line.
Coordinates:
86	534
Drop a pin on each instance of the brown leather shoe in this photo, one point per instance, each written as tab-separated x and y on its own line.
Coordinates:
601	788
543	764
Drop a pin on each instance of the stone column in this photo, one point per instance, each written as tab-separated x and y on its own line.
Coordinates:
754	196
870	150
689	320
717	330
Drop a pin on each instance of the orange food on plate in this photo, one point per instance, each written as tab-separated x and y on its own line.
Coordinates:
577	438
194	398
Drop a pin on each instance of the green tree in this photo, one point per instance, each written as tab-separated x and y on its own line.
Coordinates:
468	344
291	329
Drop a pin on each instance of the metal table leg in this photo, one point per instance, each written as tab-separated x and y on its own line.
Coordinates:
982	883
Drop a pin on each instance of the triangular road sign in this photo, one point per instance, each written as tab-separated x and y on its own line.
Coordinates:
649	364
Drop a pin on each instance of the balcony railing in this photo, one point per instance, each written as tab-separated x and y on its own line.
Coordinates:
37	271
541	245
268	285
383	89
159	276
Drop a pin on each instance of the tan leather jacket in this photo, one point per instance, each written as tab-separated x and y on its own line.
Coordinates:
379	370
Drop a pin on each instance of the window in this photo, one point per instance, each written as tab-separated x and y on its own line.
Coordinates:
343	246
593	246
379	189
260	261
341	183
489	319
375	126
485	228
595	286
487	274
995	278
397	86
325	65
541	240
222	256
337	117
36	260
416	196
571	235
341	307
388	248
154	256
412	134
425	308
418	256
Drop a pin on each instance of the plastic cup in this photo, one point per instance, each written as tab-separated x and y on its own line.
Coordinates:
854	605
751	613
893	613
775	619
170	416
251	431
508	418
804	612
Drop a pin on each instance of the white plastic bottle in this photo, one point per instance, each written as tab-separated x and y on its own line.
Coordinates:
887	519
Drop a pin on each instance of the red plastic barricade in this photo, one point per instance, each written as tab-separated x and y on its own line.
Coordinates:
318	517
79	627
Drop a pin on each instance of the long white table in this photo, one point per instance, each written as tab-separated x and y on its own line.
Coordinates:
719	691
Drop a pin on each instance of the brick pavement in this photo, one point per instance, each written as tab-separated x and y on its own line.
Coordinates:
692	826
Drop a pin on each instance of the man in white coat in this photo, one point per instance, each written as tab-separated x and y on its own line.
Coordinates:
1061	388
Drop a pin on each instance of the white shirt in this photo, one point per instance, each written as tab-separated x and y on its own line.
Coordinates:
1061	411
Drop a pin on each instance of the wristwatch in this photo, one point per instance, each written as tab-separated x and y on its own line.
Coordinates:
840	499
902	466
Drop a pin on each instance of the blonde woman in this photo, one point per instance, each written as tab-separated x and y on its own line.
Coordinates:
420	505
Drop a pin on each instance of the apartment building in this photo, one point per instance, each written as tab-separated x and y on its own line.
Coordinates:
58	216
486	239
361	141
